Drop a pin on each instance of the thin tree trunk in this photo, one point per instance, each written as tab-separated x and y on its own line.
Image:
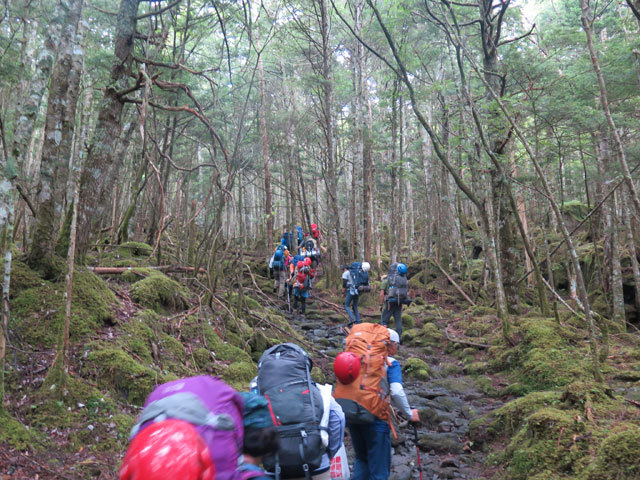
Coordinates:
268	202
616	268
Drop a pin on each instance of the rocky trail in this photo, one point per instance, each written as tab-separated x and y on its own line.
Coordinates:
448	399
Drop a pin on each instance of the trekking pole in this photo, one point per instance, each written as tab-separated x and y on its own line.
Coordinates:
288	298
415	437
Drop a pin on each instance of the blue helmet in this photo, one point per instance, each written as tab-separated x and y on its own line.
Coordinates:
402	269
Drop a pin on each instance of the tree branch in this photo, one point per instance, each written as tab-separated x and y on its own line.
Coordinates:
158	12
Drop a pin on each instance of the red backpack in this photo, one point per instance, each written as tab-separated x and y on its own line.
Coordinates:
315	231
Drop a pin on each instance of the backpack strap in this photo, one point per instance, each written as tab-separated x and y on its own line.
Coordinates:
183	406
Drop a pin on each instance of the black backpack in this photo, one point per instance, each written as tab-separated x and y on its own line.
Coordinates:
359	278
296	406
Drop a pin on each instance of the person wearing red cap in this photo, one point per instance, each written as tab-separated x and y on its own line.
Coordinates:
168	449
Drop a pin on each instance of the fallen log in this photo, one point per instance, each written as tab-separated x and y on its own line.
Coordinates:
161	268
466	297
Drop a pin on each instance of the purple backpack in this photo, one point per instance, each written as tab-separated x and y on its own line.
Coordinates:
214	408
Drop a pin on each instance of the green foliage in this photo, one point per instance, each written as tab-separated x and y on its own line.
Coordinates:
15	434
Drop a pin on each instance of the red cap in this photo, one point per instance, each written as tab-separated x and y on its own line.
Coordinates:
346	367
168	449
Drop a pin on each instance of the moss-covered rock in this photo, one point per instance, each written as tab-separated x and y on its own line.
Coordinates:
202	356
116	370
159	292
547	442
38	312
135	249
408	321
240	374
617	457
477	329
416	368
508	419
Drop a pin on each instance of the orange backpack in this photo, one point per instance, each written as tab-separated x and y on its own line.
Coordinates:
367	397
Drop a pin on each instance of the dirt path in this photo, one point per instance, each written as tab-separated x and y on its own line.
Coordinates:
448	401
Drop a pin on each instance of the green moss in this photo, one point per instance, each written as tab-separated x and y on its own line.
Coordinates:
223	351
138	273
202	356
240	374
408	321
508	418
618	456
39	311
170	345
138	337
540	444
477	329
416	368
116	370
159	292
317	375
14	434
135	249
22	278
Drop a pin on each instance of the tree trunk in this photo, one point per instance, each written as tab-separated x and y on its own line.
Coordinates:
268	202
96	181
64	90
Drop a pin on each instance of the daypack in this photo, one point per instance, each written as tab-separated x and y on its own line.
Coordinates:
315	231
278	258
367	397
295	403
300	234
213	408
359	278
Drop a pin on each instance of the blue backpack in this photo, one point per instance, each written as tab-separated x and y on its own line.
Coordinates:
359	278
278	258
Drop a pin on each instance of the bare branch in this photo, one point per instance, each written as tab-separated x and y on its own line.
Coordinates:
158	12
524	35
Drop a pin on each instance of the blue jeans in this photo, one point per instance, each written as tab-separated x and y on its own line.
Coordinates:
372	445
395	310
354	317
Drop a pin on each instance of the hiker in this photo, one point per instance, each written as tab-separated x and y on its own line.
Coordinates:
260	435
316	234
309	249
305	414
363	371
163	442
301	287
168	449
300	235
287	239
312	271
394	293
354	280
278	265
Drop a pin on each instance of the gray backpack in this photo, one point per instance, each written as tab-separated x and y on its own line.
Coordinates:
296	406
398	285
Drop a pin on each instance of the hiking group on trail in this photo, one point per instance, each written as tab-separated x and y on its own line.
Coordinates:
285	427
295	273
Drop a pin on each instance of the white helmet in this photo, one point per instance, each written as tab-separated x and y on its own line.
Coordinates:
365	266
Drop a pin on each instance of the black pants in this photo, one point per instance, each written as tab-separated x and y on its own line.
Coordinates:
394	309
303	304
